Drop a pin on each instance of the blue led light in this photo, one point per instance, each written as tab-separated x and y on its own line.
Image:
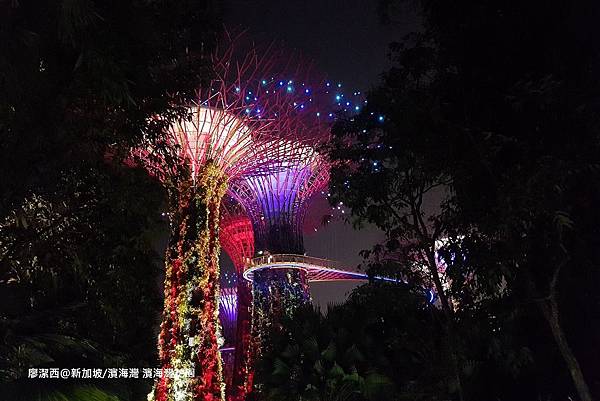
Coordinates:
380	119
289	88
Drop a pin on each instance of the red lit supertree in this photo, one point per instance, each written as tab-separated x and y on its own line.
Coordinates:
236	114
237	240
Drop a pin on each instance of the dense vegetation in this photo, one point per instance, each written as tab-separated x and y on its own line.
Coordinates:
478	156
79	272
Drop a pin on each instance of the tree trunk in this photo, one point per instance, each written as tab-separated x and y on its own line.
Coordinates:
550	311
190	331
449	315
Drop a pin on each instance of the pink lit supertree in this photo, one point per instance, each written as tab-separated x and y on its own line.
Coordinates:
226	135
237	240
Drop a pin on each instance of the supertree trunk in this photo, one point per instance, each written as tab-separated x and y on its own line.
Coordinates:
276	295
190	332
242	373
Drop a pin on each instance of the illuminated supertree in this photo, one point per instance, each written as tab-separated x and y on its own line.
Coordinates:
276	203
237	240
227	129
228	312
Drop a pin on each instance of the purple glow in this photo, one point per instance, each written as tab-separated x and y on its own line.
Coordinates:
228	313
281	196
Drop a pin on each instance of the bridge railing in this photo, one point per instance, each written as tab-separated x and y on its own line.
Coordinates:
293	258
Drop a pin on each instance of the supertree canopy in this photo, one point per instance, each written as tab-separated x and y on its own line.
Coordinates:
276	199
237	240
225	136
277	202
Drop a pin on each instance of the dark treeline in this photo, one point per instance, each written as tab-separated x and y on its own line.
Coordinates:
477	155
79	270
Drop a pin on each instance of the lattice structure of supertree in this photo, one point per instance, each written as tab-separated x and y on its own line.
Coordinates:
237	240
226	135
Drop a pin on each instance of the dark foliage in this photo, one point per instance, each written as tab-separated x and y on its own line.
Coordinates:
81	80
486	161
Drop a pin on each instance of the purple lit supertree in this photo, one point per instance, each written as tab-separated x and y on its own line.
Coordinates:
226	135
276	203
228	313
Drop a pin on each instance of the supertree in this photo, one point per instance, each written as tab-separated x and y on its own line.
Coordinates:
228	312
228	127
237	240
276	203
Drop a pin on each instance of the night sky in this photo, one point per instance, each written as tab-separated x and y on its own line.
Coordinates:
349	44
